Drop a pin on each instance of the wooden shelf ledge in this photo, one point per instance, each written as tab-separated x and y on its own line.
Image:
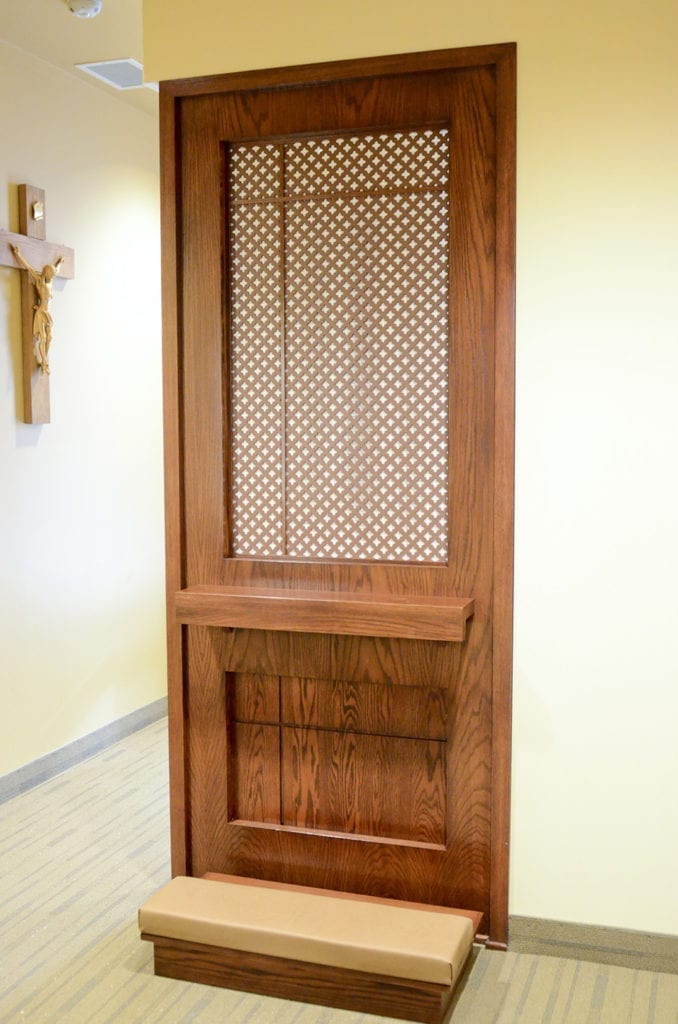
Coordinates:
309	611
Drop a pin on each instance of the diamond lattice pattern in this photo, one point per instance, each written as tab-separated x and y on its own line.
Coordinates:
339	337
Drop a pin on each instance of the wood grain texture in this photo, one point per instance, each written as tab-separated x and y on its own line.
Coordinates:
254	698
346	759
340	71
375	708
367	784
303	982
170	224
400	869
471	420
473	92
255	772
207	741
502	601
424	618
202	387
356	659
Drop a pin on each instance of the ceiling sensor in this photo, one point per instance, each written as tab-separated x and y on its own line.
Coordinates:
85	8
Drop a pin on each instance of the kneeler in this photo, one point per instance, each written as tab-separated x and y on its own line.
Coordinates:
356	953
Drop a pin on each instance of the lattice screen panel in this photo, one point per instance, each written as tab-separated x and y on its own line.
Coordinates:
339	264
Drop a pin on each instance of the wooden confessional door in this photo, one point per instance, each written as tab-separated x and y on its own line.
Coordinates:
338	289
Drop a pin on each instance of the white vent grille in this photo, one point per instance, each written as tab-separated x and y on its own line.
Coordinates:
121	74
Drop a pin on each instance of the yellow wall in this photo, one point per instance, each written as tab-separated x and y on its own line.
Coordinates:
81	535
595	831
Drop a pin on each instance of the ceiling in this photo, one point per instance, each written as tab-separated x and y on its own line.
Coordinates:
47	29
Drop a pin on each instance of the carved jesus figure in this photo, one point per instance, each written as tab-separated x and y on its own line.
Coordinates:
42	318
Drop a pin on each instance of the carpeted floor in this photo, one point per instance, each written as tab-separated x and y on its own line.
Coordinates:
81	852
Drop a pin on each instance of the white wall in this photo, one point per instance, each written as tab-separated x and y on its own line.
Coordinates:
595	783
81	520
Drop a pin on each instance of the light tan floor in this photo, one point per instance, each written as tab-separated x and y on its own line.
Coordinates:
80	853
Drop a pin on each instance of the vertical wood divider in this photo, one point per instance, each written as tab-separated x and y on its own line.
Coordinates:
283	354
504	472
175	546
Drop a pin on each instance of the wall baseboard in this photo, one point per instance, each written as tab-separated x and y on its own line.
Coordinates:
44	768
641	951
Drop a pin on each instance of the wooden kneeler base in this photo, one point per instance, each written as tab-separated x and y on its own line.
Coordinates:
301	981
291	943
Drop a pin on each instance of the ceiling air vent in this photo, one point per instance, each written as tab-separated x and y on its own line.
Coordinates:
121	74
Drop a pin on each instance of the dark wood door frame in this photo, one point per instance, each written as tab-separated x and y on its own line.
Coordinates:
175	99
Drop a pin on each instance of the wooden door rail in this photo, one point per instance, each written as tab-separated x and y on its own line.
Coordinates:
309	611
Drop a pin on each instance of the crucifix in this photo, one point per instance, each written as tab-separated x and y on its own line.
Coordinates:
42	261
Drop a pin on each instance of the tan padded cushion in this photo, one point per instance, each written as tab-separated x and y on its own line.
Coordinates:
397	941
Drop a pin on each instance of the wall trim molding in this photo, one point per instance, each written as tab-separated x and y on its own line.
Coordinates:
44	768
621	947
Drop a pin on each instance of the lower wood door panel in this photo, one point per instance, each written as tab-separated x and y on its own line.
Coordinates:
382	786
370	783
335	756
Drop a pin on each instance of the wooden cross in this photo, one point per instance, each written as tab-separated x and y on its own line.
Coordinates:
49	260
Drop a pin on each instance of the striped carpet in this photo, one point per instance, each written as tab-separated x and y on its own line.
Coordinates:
79	854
